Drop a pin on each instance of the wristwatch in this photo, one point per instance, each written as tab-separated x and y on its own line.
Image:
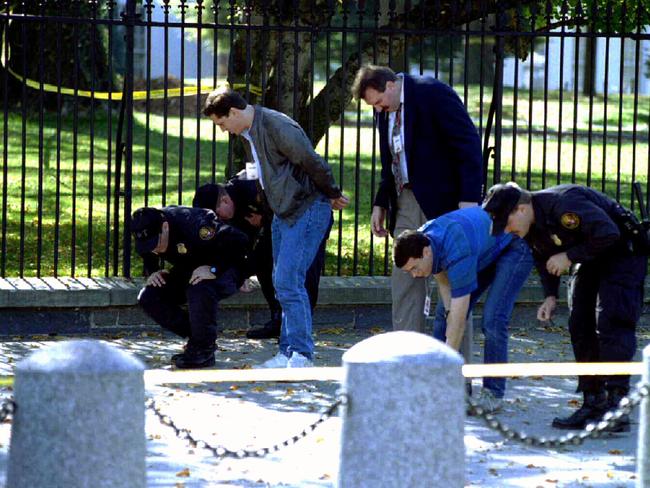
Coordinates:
213	270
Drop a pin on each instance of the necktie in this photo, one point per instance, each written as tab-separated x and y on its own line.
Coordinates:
396	166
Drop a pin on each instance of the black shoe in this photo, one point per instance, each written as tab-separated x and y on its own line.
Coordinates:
592	410
614	397
269	330
195	359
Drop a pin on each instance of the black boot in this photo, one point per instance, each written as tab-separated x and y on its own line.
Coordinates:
614	396
195	358
269	330
593	408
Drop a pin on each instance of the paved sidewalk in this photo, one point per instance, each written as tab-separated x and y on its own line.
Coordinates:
262	414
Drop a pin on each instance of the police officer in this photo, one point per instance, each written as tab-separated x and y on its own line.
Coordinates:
577	228
206	257
240	204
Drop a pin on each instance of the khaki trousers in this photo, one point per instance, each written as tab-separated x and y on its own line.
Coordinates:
407	292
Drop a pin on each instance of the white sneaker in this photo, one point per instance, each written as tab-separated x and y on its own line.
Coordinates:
297	360
277	361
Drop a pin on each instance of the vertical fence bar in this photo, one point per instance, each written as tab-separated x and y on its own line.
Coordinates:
637	57
547	41
199	82
531	79
23	172
498	97
165	134
344	38
129	21
5	142
621	74
591	87
147	103
181	104
41	155
59	105
515	96
91	142
561	96
357	159
576	92
109	146
608	24
75	142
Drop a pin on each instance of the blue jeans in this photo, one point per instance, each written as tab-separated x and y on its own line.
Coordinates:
504	278
294	249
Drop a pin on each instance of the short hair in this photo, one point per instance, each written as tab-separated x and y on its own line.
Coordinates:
208	196
221	100
371	76
409	244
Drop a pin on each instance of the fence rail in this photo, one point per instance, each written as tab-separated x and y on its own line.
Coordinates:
559	91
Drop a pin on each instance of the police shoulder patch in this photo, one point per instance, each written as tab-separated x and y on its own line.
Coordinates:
207	232
570	220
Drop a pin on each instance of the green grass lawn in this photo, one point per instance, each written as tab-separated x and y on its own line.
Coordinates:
60	197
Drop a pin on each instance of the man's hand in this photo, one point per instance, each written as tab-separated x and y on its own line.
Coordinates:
377	221
255	219
546	309
558	264
467	204
201	273
339	203
157	279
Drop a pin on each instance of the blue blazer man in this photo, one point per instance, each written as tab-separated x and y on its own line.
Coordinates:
425	128
443	150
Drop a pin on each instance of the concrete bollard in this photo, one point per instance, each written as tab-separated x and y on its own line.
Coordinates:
643	447
79	419
404	422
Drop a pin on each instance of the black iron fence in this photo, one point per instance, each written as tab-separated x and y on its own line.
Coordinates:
102	105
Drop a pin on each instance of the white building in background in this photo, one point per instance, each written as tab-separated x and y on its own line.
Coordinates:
562	60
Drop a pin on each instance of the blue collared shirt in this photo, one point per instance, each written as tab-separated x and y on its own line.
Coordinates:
462	245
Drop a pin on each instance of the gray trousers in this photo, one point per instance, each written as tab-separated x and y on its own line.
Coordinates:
407	292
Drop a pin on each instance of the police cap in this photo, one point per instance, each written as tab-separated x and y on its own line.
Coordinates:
146	226
499	202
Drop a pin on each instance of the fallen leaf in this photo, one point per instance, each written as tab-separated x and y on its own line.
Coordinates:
183	473
493	472
573	403
233	388
615	451
610	475
376	330
257	389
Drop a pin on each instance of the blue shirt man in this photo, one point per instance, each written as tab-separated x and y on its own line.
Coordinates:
466	260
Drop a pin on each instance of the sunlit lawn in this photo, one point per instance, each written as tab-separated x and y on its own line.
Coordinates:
67	208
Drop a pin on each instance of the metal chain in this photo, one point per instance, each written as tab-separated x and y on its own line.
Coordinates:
7	408
592	430
223	452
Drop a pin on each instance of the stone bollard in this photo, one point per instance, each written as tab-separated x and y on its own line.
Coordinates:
79	420
404	422
643	447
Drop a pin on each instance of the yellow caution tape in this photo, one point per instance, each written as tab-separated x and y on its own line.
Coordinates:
186	90
160	376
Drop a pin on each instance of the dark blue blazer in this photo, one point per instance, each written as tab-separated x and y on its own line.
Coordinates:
443	150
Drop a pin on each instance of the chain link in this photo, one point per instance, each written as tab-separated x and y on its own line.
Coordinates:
592	430
223	452
7	408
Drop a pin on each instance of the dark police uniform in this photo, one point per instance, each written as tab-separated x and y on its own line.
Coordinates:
607	275
608	249
196	238
248	199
